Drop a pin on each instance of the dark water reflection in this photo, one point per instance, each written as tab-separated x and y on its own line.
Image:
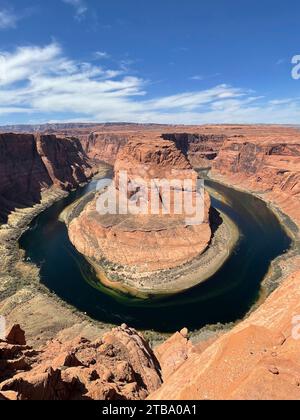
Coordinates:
226	297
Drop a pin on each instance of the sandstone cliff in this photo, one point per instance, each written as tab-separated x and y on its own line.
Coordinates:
147	242
257	360
104	146
269	165
30	164
201	149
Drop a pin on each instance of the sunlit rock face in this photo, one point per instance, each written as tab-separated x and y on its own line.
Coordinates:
268	164
156	230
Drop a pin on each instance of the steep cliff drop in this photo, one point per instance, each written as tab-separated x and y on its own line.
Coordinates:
258	359
150	252
31	164
268	165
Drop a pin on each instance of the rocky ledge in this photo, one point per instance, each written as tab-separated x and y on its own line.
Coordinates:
118	366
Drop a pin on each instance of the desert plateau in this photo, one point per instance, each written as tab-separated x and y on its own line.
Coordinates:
149	203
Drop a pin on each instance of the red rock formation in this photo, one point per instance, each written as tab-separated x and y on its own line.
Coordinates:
269	165
147	242
104	146
173	353
120	365
201	149
16	336
30	164
259	359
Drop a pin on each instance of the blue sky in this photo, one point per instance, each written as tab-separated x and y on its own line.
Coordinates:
164	61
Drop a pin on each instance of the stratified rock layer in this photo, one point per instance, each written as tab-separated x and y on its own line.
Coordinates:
269	165
148	242
30	164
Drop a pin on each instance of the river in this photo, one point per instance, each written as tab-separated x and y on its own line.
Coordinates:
226	297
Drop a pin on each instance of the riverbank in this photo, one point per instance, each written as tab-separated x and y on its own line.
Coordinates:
177	280
24	299
284	265
59	319
131	281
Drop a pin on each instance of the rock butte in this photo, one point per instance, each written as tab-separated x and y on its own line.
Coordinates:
147	242
258	359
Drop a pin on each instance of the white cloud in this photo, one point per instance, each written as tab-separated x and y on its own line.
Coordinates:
101	54
42	81
8	19
80	7
197	77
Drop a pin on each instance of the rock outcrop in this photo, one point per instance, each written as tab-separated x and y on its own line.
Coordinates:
258	359
30	164
268	165
200	149
104	146
118	366
149	242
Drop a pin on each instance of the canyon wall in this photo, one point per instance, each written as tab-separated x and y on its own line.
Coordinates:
30	164
201	149
104	146
269	165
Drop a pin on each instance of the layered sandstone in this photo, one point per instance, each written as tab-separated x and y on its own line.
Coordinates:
268	165
30	164
257	360
118	366
201	149
104	146
147	242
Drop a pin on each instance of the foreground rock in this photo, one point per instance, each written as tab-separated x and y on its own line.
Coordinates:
259	359
120	365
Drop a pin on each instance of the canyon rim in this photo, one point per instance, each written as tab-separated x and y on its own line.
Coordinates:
149	203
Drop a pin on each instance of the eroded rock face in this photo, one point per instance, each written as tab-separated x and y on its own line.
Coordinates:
258	359
201	149
104	146
173	353
269	165
146	241
30	164
120	365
